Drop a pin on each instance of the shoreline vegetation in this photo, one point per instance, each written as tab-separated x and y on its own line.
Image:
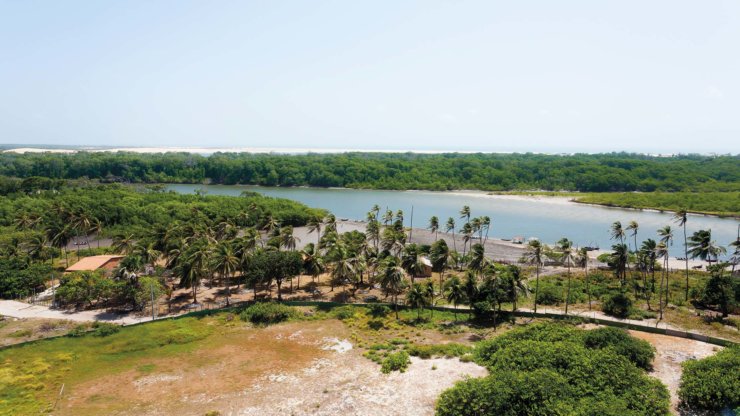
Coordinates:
716	204
699	184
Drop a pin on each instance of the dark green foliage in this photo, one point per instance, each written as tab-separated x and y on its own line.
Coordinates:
103	329
640	352
618	305
267	313
379	311
396	361
18	278
547	369
586	173
343	312
712	383
721	291
271	265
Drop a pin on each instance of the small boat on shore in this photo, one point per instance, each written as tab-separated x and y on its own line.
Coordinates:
518	240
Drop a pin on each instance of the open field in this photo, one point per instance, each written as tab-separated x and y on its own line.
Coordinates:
218	363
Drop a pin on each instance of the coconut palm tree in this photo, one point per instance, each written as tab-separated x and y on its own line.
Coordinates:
517	285
582	260
439	255
565	247
487	226
465	213
344	268
477	258
434	226
702	246
372	231
225	263
417	299
661	252
648	254
391	279
618	258
387	217
429	293
411	261
287	239
123	243
314	225
467	233
375	210
681	217
455	293
25	221
617	232
533	256
735	246
633	226
313	263
450	226
477	225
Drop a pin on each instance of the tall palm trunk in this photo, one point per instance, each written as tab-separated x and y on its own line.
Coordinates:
536	287
567	295
686	259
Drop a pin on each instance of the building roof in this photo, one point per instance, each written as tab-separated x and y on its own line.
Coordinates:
91	263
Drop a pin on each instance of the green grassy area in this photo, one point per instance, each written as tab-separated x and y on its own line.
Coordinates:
723	204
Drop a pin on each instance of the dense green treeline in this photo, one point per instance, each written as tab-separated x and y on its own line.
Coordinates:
616	172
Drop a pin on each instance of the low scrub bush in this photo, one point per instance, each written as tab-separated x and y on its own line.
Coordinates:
546	369
397	361
343	312
618	305
712	383
103	329
267	313
640	352
379	311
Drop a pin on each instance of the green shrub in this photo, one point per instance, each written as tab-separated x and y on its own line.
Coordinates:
397	361
103	329
712	383
379	311
78	331
640	352
547	369
376	324
267	313
550	295
343	312
618	305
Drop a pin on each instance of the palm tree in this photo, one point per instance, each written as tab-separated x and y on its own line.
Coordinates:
25	221
661	252
387	217
450	226
313	263
314	225
648	253
416	298
618	257
123	243
391	279
477	258
467	232
617	232
439	255
225	262
189	277
455	293
429	292
565	247
582	260
97	228
465	213
633	226
702	246
375	210
372	231
344	269
735	245
146	252
434	226
681	217
487	226
287	239
517	285
411	261
477	225
533	256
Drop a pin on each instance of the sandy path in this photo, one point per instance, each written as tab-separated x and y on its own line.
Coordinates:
24	310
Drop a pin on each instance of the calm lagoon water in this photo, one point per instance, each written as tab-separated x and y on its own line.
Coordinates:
548	219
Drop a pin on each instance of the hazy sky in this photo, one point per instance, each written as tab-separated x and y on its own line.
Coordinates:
551	76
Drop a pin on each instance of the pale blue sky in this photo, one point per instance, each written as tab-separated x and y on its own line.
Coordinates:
551	76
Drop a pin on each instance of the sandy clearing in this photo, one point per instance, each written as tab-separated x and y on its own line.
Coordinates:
353	385
670	353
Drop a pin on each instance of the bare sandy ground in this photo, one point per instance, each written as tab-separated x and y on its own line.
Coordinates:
670	353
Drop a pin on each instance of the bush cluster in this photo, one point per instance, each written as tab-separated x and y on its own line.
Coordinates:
267	313
557	369
397	361
712	383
